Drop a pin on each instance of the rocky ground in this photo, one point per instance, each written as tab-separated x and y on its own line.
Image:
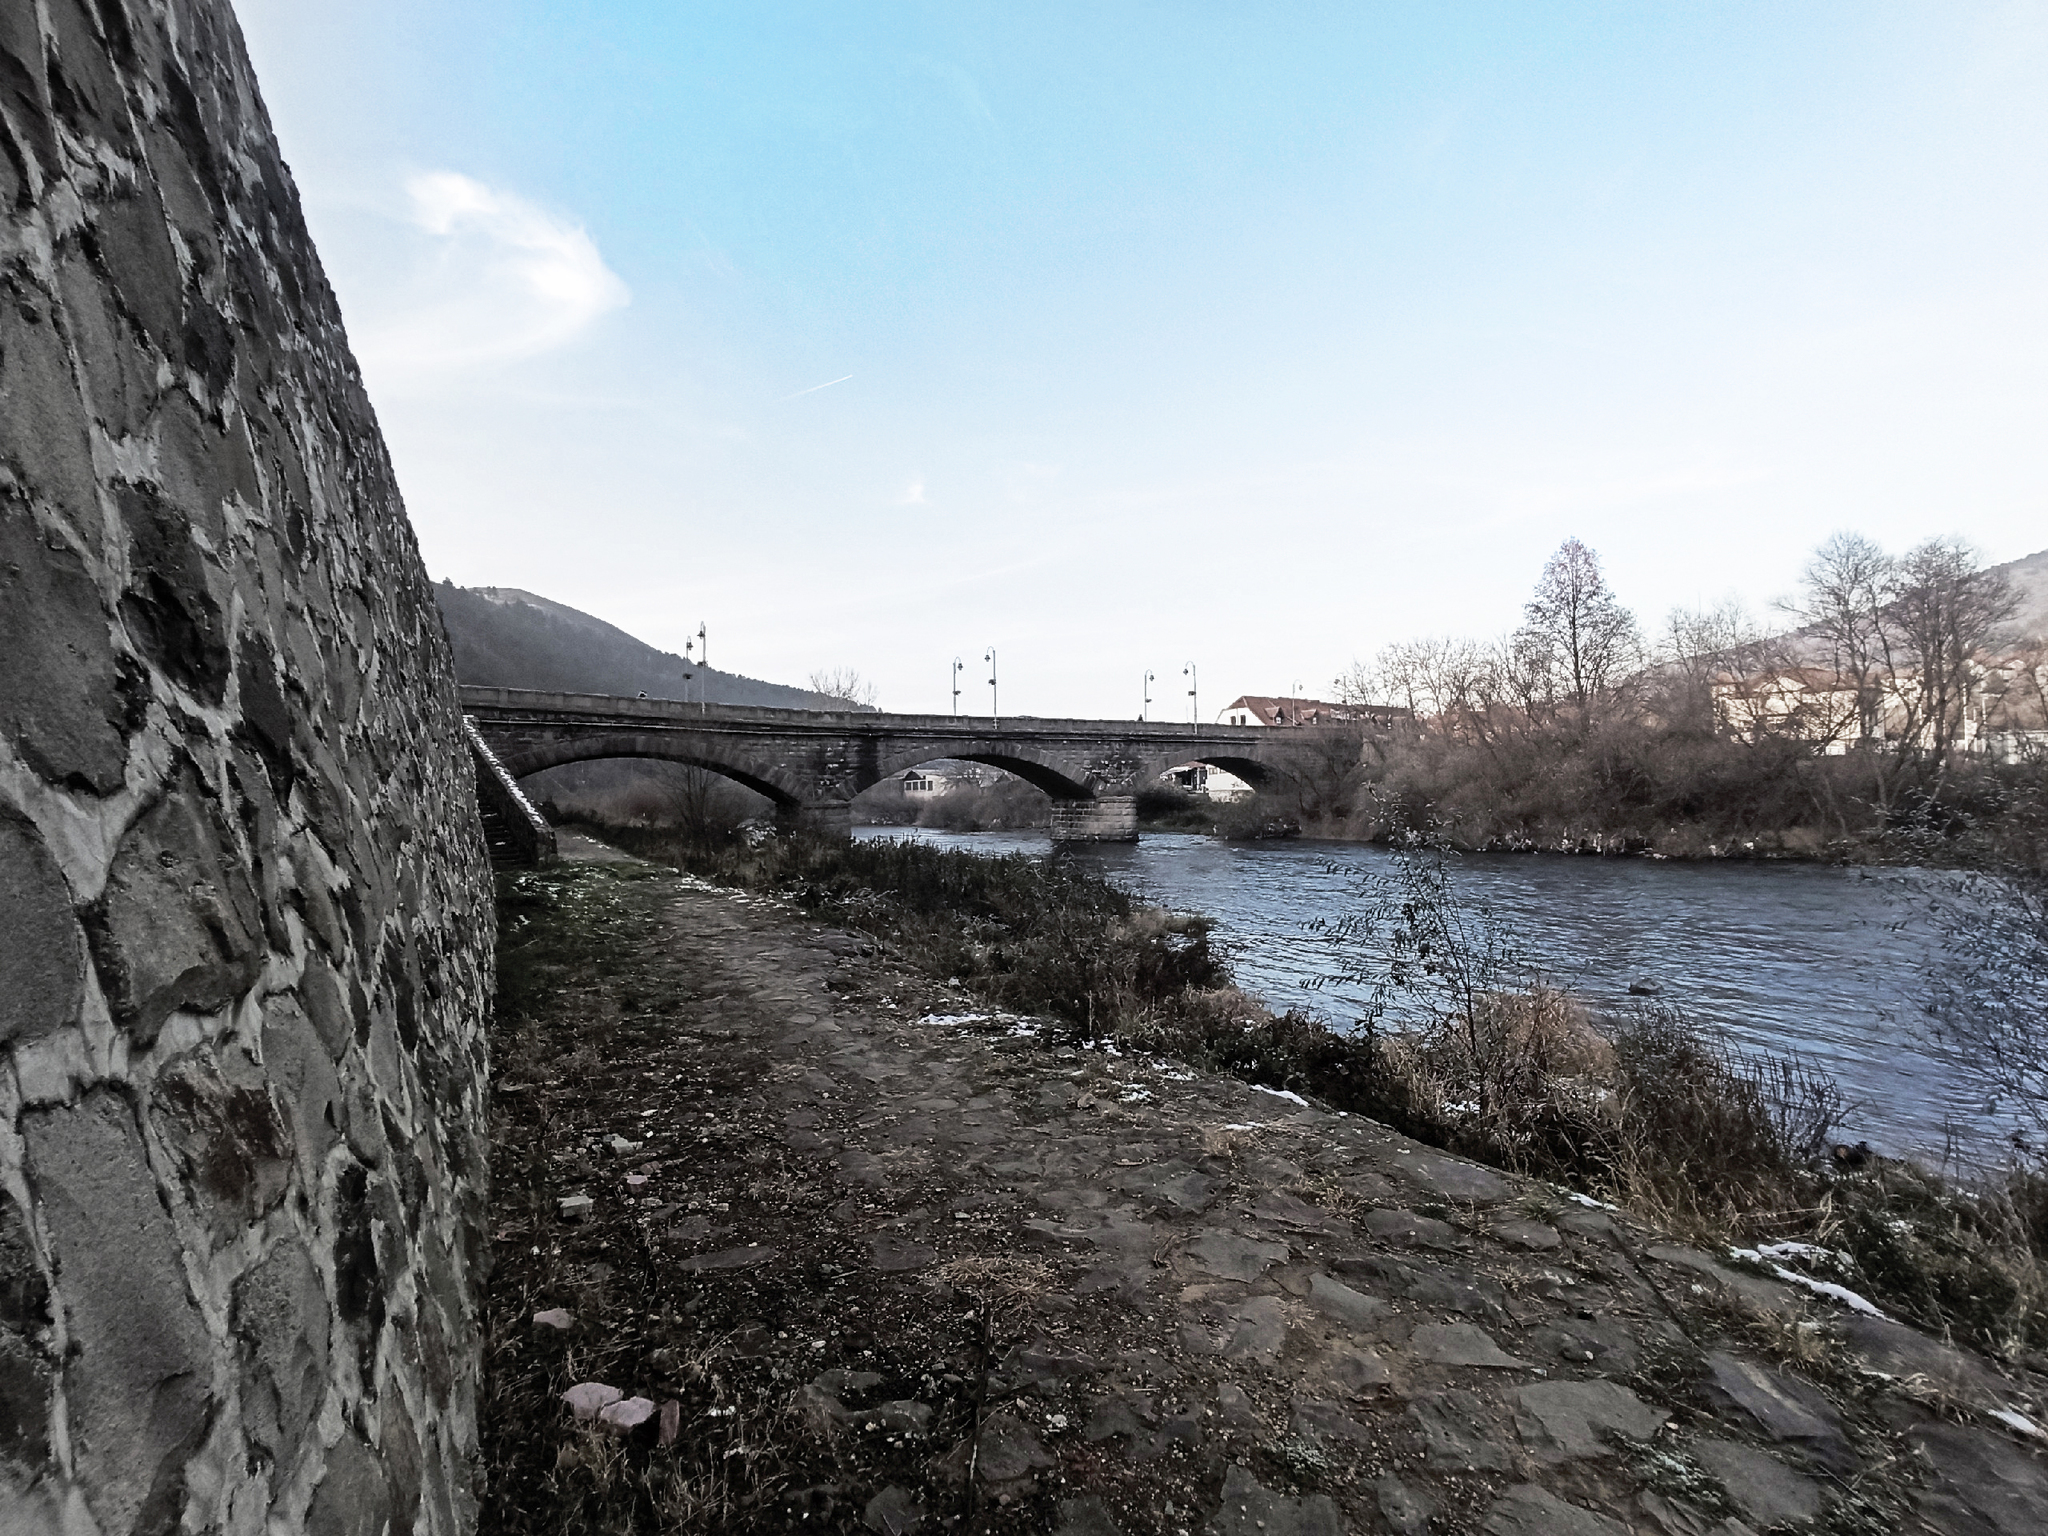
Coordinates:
851	1252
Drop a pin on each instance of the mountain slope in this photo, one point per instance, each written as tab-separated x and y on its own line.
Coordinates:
506	638
2029	578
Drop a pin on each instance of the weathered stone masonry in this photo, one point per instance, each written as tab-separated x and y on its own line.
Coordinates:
245	926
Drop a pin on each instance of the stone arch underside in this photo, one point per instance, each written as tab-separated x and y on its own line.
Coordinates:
535	756
1254	771
1054	779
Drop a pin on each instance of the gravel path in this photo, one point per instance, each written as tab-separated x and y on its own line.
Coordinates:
952	1279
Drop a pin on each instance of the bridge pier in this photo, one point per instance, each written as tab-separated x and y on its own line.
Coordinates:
1104	819
826	818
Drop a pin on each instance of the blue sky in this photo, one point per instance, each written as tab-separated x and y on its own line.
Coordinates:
1251	336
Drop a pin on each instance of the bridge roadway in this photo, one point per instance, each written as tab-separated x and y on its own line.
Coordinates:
811	763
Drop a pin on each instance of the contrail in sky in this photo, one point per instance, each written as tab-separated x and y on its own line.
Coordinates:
816	387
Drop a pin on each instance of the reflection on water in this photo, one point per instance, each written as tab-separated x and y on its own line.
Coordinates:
1780	956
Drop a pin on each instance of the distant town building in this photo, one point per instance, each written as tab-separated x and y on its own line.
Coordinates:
945	775
1208	783
1260	709
2001	713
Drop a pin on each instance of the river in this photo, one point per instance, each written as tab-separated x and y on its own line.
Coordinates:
1807	958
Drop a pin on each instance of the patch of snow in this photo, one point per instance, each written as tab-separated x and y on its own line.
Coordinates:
1827	1288
956	1019
1809	1251
2012	1419
1281	1093
1586	1200
1247	1125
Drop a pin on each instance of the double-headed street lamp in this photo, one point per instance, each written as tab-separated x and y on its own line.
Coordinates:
993	712
1194	698
703	664
1146	708
957	665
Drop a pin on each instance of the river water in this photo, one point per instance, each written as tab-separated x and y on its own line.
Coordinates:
1805	958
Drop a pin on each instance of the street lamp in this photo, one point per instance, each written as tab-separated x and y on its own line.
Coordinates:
1146	708
990	658
704	662
689	667
1194	699
957	665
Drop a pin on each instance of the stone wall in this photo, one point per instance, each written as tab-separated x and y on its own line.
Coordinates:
245	919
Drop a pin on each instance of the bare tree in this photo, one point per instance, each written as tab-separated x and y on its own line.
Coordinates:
1723	670
1576	642
1988	986
1847	591
1946	609
843	685
1430	678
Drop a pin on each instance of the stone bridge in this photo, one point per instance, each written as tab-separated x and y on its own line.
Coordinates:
812	763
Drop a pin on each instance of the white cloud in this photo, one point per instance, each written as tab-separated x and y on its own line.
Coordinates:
913	494
484	276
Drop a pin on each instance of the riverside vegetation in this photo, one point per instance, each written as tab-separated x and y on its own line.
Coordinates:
1644	1108
1903	717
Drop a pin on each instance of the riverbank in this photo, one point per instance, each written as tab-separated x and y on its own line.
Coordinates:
872	1253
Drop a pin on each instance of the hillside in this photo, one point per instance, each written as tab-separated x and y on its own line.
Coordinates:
506	638
2029	578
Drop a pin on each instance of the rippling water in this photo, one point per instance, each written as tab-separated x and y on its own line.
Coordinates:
1821	960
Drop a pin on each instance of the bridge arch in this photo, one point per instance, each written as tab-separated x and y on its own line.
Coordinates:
535	756
1035	770
1255	771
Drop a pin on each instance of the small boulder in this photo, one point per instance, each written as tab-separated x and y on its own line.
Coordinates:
626	1415
587	1399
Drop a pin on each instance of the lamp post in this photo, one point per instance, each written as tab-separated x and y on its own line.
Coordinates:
1146	708
957	665
1194	698
689	667
1297	702
993	712
704	663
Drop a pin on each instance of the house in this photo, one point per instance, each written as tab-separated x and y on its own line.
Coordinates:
1259	709
944	775
1805	703
1207	783
1824	707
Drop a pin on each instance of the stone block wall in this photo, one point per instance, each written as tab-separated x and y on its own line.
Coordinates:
245	916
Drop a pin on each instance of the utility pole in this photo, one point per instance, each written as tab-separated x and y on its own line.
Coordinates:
1146	708
1194	698
994	713
957	665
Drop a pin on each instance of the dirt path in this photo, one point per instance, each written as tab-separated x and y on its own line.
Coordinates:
873	1218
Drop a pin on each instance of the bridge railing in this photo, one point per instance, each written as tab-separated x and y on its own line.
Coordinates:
532	704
